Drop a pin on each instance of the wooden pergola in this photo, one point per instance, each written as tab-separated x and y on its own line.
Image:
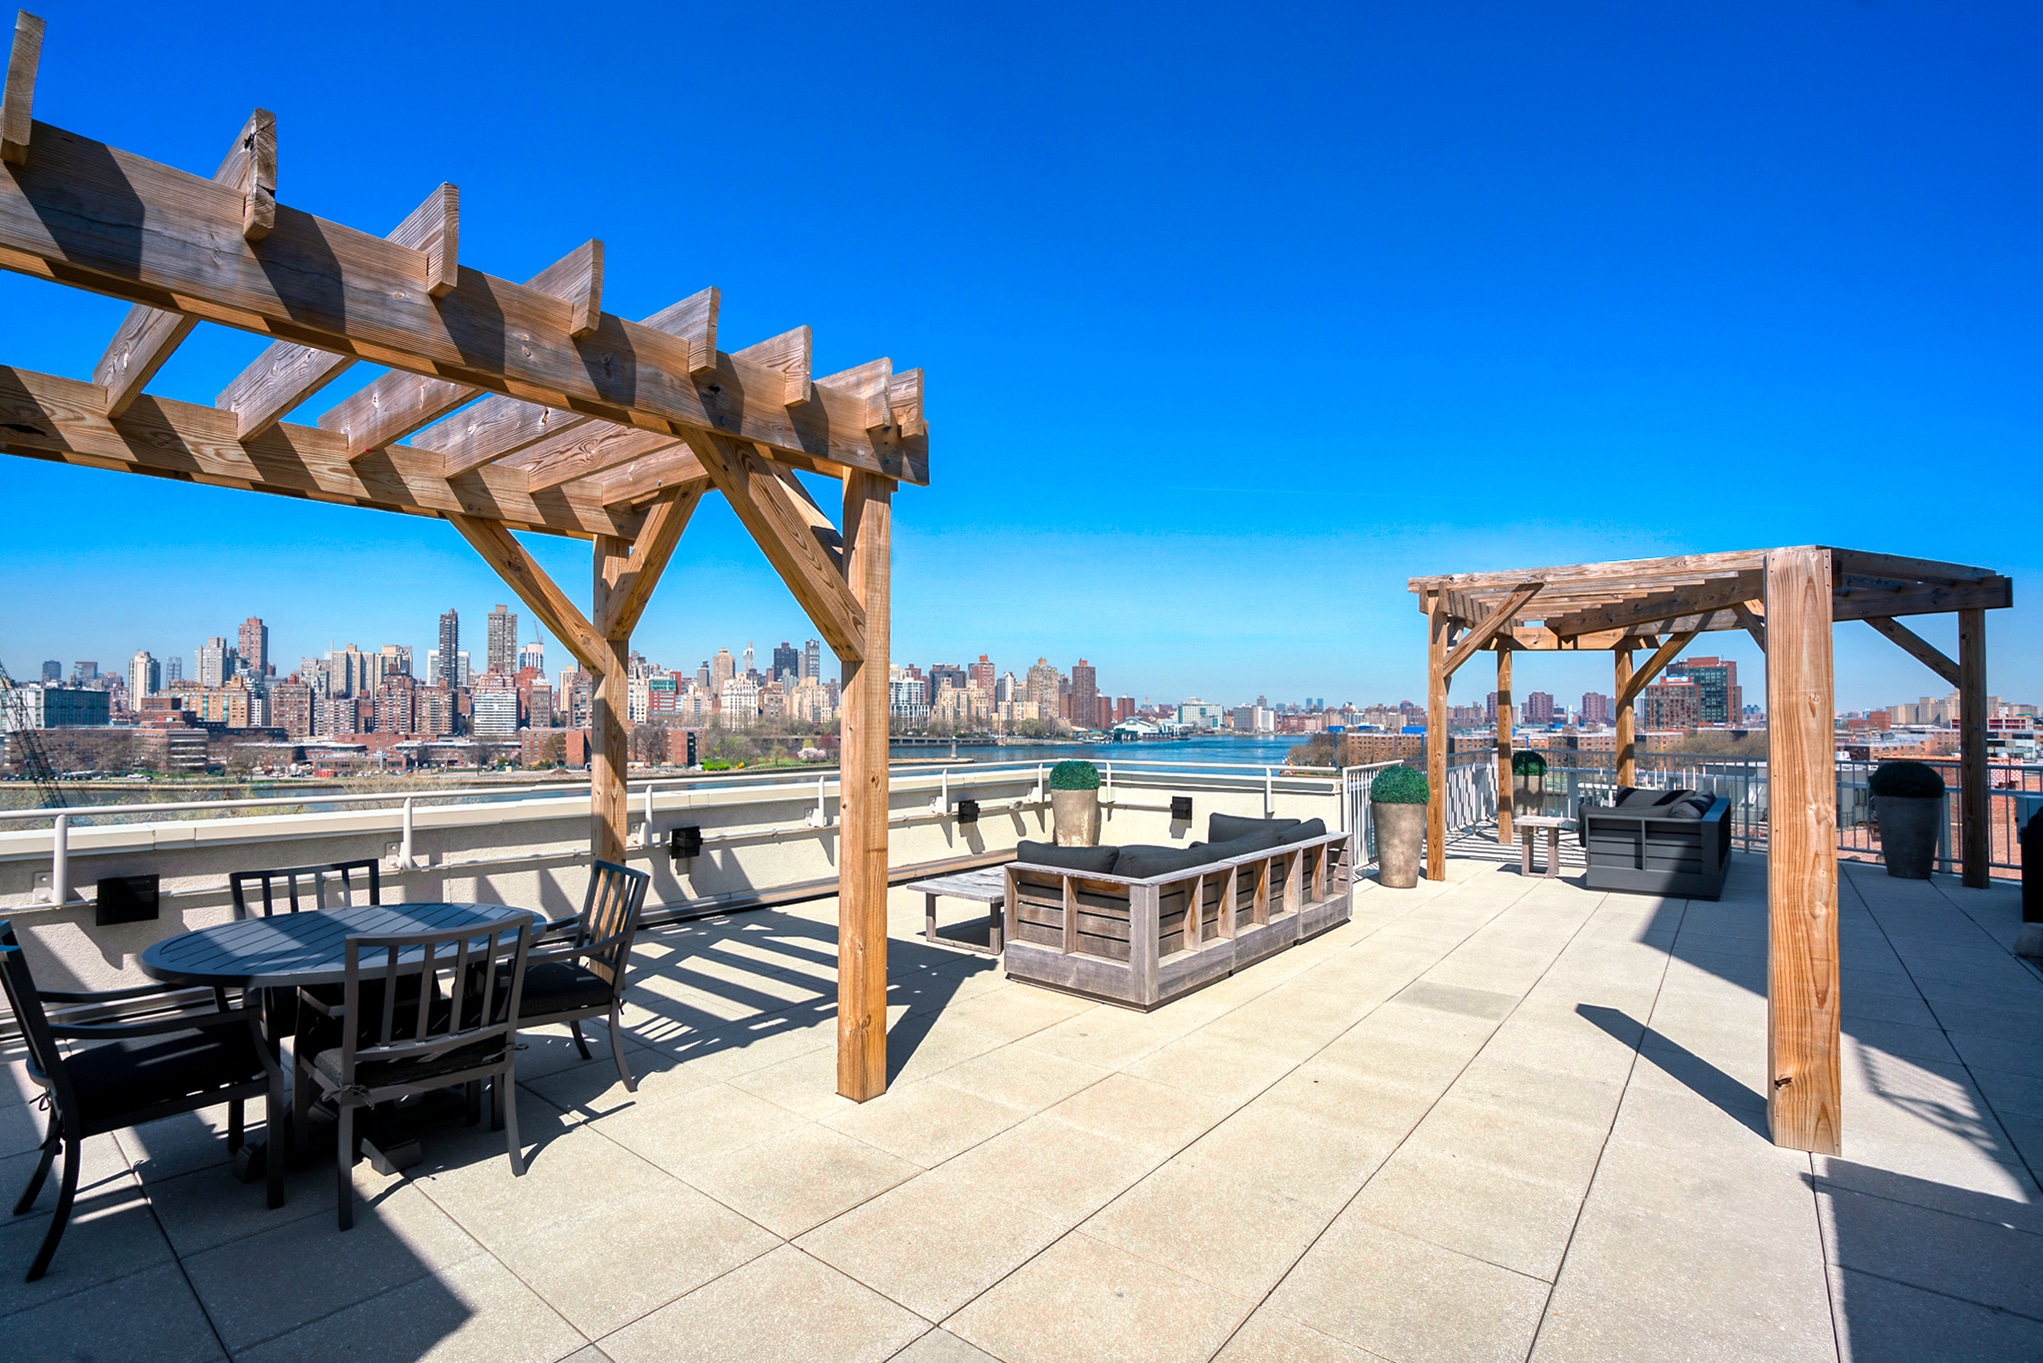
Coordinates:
587	425
1787	599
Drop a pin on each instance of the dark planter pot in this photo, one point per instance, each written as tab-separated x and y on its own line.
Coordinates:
1528	792
1400	837
1908	834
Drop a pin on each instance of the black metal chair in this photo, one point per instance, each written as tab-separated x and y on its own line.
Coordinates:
160	1065
577	969
316	878
384	1042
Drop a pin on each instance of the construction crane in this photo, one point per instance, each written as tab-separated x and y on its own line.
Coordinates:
28	744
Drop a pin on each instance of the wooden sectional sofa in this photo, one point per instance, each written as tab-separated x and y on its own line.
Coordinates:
1187	917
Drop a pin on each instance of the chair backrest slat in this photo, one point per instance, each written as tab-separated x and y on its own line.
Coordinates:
287	879
471	954
615	899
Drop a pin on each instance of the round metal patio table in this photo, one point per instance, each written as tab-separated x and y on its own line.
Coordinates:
286	950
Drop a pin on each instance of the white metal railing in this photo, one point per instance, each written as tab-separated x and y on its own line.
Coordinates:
1471	799
949	783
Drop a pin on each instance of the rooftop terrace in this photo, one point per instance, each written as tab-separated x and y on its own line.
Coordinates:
1492	1118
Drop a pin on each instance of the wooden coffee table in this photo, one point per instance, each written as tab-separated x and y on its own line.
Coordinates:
1529	824
987	886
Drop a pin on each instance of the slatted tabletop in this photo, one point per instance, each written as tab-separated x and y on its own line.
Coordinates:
988	886
304	948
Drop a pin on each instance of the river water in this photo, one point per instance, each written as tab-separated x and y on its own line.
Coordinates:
1255	752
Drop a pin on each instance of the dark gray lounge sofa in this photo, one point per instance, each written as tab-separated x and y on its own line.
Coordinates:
1669	842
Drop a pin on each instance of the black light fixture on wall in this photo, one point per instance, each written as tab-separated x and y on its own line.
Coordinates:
968	811
684	842
1181	808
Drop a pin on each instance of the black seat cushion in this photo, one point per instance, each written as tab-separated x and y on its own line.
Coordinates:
1228	827
1140	862
1100	859
557	987
1307	831
134	1073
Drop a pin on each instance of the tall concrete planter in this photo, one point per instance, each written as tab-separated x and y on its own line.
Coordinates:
1528	792
1077	817
1400	838
1908	834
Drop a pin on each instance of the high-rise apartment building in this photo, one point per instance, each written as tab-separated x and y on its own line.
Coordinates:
503	641
1719	698
173	669
533	655
1598	709
1672	703
450	646
397	704
981	677
1042	688
436	711
53	671
1085	694
347	672
787	664
721	669
1539	708
213	665
812	660
255	648
145	678
291	708
84	673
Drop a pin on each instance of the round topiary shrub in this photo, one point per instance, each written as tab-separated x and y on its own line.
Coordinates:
1907	781
1400	786
1074	776
1527	764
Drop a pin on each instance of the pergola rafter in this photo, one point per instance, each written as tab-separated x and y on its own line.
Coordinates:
526	407
1788	601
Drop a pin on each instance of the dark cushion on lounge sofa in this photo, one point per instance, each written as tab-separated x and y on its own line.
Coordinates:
1228	827
1140	862
1307	831
1690	807
1069	858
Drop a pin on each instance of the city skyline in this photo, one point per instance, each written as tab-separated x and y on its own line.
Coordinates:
1660	317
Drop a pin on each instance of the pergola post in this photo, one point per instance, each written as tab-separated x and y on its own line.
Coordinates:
1437	622
609	748
1627	753
1802	1021
1974	821
1503	745
863	789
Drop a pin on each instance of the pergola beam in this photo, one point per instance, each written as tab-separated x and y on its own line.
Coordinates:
285	374
1919	648
46	417
17	102
1498	618
400	402
148	336
82	213
1655	665
523	575
777	522
1717	595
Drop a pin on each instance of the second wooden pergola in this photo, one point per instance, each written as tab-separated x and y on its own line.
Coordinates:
559	419
1787	600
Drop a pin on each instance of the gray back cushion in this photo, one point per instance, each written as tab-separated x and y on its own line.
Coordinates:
1692	807
1307	831
1228	827
1141	862
1068	858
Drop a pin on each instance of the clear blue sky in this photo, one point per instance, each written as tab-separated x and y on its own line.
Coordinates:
1233	318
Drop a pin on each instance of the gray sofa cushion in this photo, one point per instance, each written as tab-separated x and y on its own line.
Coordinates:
1228	827
1690	807
1307	831
1069	858
1140	862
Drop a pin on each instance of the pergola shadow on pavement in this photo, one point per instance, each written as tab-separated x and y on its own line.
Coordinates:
1788	600
1492	1117
527	407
